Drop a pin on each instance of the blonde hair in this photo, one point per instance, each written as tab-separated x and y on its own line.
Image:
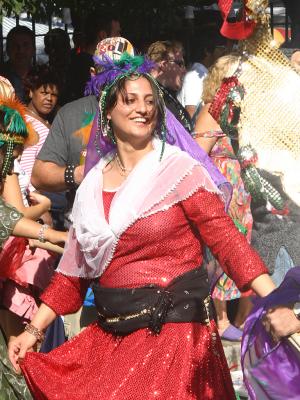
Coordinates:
159	51
224	67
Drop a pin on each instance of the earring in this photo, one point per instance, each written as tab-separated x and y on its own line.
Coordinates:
109	132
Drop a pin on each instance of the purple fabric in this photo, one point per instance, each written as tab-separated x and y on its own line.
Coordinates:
104	146
111	69
178	136
271	371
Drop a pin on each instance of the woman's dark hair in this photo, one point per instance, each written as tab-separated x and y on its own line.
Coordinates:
119	88
40	75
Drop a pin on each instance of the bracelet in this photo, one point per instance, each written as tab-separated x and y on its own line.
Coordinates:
37	333
69	176
41	234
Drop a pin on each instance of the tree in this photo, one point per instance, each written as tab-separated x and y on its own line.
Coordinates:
84	6
141	20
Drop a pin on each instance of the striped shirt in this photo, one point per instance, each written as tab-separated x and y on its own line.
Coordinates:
30	153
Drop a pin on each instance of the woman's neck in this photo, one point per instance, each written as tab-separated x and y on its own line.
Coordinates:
42	118
129	155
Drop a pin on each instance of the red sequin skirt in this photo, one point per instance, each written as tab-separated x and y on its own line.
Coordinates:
184	362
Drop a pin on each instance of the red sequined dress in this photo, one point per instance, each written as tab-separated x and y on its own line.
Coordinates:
186	360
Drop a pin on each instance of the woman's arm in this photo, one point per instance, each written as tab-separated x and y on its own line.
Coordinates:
12	195
34	243
64	295
205	123
18	346
31	229
237	258
262	285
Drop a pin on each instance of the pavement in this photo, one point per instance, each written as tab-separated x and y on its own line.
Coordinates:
232	352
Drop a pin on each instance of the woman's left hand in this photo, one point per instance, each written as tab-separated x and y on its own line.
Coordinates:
37	198
281	321
235	211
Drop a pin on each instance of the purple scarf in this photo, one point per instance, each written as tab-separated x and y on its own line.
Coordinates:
271	371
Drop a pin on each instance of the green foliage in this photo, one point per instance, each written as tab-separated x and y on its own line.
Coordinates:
86	6
8	7
141	20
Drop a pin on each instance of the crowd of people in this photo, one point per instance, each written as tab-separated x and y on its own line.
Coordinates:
135	162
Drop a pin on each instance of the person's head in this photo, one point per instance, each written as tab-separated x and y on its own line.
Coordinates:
224	67
57	46
130	100
115	27
42	89
20	46
98	27
134	109
207	46
295	60
170	64
15	133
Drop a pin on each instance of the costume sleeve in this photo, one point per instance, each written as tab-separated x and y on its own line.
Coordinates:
9	216
237	258
65	294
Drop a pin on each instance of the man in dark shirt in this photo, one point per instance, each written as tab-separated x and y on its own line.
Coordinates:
96	28
20	49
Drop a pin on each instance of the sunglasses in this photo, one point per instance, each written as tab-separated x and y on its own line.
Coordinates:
180	63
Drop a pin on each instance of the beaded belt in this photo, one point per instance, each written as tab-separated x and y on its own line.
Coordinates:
185	299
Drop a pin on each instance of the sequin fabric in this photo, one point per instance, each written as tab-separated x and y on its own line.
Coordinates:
186	360
9	216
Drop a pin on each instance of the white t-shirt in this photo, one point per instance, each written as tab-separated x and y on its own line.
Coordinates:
192	87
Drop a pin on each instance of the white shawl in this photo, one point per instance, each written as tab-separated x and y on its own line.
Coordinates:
152	186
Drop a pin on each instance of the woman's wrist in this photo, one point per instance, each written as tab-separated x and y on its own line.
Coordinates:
54	236
42	233
33	330
263	285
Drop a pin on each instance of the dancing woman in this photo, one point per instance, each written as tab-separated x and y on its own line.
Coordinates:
139	220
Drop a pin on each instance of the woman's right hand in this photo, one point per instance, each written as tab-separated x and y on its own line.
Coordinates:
18	347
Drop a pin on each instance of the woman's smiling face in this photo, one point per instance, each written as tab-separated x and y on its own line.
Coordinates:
134	116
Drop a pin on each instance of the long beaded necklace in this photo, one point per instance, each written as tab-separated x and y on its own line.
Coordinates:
124	171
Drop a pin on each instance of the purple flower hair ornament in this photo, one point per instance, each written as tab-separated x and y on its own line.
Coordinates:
112	70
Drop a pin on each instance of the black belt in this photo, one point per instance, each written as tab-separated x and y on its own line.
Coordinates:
185	299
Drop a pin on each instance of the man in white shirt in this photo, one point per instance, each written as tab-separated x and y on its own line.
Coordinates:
203	56
191	91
